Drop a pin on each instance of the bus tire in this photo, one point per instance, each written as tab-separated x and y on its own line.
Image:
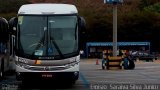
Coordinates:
131	64
18	77
1	75
2	71
25	82
73	82
70	84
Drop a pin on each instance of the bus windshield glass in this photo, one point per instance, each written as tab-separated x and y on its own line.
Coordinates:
47	36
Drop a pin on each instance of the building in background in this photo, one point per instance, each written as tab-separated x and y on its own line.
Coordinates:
95	49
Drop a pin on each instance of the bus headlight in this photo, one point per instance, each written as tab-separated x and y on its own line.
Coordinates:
72	64
22	62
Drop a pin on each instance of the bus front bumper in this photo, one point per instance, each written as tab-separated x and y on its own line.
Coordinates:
70	73
47	75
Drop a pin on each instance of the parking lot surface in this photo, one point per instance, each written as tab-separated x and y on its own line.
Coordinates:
92	77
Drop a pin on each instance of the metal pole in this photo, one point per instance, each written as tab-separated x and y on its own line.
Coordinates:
114	30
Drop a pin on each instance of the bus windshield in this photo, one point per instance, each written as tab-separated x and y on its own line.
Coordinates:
48	36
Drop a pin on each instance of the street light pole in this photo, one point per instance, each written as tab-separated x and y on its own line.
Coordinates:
115	30
114	3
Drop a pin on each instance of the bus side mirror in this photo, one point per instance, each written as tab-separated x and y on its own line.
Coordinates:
82	23
13	25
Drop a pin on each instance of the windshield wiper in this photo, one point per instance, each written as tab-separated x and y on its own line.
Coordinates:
56	46
40	43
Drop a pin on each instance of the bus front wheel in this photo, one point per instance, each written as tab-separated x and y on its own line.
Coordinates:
2	70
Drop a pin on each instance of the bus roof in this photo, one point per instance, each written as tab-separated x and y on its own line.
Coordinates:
48	8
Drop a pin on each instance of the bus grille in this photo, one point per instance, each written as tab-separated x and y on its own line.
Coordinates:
46	68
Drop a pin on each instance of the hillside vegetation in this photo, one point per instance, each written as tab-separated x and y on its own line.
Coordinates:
138	20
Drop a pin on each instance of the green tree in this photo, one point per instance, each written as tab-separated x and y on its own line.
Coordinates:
146	3
9	8
153	8
143	3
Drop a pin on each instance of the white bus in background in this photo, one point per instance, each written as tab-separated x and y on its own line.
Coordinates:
47	42
6	60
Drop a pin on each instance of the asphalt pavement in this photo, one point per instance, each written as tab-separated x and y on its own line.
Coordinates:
92	77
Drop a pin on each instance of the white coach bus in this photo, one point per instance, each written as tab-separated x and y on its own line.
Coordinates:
4	48
47	42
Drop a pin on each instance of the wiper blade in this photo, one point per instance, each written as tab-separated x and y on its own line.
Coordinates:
40	43
56	46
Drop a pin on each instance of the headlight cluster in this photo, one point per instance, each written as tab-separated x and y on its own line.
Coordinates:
72	64
23	65
22	62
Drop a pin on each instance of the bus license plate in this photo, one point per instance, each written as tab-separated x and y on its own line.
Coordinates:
47	75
